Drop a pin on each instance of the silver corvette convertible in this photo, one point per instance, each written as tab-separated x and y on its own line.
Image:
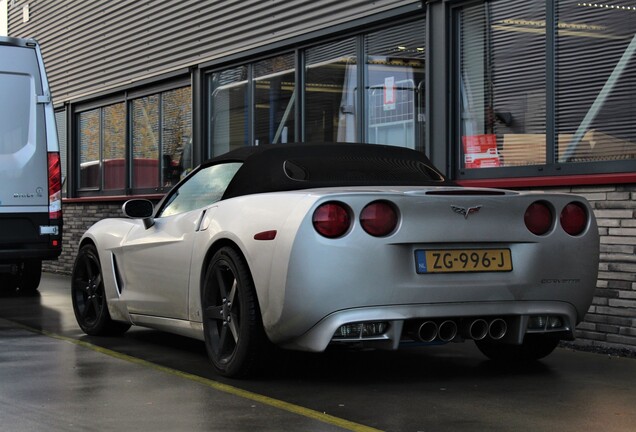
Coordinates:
305	246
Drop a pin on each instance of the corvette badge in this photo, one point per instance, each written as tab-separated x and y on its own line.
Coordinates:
465	211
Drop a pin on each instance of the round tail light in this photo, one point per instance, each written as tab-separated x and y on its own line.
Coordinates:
332	219
538	218
574	218
379	218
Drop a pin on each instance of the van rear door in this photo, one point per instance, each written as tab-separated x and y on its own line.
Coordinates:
23	145
30	176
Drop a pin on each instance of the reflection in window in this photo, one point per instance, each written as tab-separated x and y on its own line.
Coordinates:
502	86
228	102
204	188
274	97
256	103
145	142
596	76
330	92
161	132
176	145
89	149
114	152
395	85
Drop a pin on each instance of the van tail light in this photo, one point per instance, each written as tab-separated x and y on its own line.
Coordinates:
55	186
538	218
332	219
574	218
379	218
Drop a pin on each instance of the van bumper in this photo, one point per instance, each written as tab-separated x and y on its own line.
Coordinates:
12	256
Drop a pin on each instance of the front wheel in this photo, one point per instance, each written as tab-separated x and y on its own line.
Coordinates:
534	347
232	326
89	299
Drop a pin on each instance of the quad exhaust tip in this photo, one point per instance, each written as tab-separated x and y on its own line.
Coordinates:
447	330
478	329
427	331
497	329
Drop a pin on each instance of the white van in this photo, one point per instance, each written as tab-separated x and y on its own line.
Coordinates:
30	171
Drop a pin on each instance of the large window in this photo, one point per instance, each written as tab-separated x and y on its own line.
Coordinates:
157	130
544	87
502	84
145	141
595	81
331	87
340	101
253	104
274	100
228	102
160	138
90	149
114	146
395	86
102	150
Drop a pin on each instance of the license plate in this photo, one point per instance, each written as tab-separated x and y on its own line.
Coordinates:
463	260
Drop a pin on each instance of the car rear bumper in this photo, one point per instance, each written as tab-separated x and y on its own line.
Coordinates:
402	320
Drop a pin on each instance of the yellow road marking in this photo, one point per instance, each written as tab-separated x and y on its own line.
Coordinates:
265	400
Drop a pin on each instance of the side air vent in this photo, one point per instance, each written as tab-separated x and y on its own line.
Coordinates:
118	281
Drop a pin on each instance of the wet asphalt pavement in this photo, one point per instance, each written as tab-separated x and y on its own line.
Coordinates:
55	378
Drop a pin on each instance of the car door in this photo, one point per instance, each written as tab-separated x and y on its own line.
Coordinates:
156	261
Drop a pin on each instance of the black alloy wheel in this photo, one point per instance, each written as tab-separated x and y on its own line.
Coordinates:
232	325
89	300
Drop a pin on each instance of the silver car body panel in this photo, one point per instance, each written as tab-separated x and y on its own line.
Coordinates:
308	285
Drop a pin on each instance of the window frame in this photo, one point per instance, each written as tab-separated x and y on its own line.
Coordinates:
552	172
359	35
76	171
125	96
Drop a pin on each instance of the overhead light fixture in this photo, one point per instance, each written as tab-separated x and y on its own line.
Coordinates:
607	6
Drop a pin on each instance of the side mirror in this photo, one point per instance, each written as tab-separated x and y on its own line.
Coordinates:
140	209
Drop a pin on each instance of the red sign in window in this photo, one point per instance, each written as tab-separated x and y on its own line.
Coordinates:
480	151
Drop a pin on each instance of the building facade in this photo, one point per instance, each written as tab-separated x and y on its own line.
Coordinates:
503	93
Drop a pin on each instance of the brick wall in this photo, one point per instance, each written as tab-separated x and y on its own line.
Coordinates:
78	217
610	321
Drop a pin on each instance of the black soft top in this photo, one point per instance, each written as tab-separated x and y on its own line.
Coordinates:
284	167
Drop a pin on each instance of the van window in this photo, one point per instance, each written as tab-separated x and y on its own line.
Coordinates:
14	116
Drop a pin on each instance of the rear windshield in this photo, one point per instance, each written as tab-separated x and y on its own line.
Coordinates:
360	169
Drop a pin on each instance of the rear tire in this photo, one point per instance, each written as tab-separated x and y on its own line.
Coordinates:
232	325
29	276
89	299
534	347
8	284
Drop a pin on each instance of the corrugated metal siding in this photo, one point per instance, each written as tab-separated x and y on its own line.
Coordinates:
90	46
